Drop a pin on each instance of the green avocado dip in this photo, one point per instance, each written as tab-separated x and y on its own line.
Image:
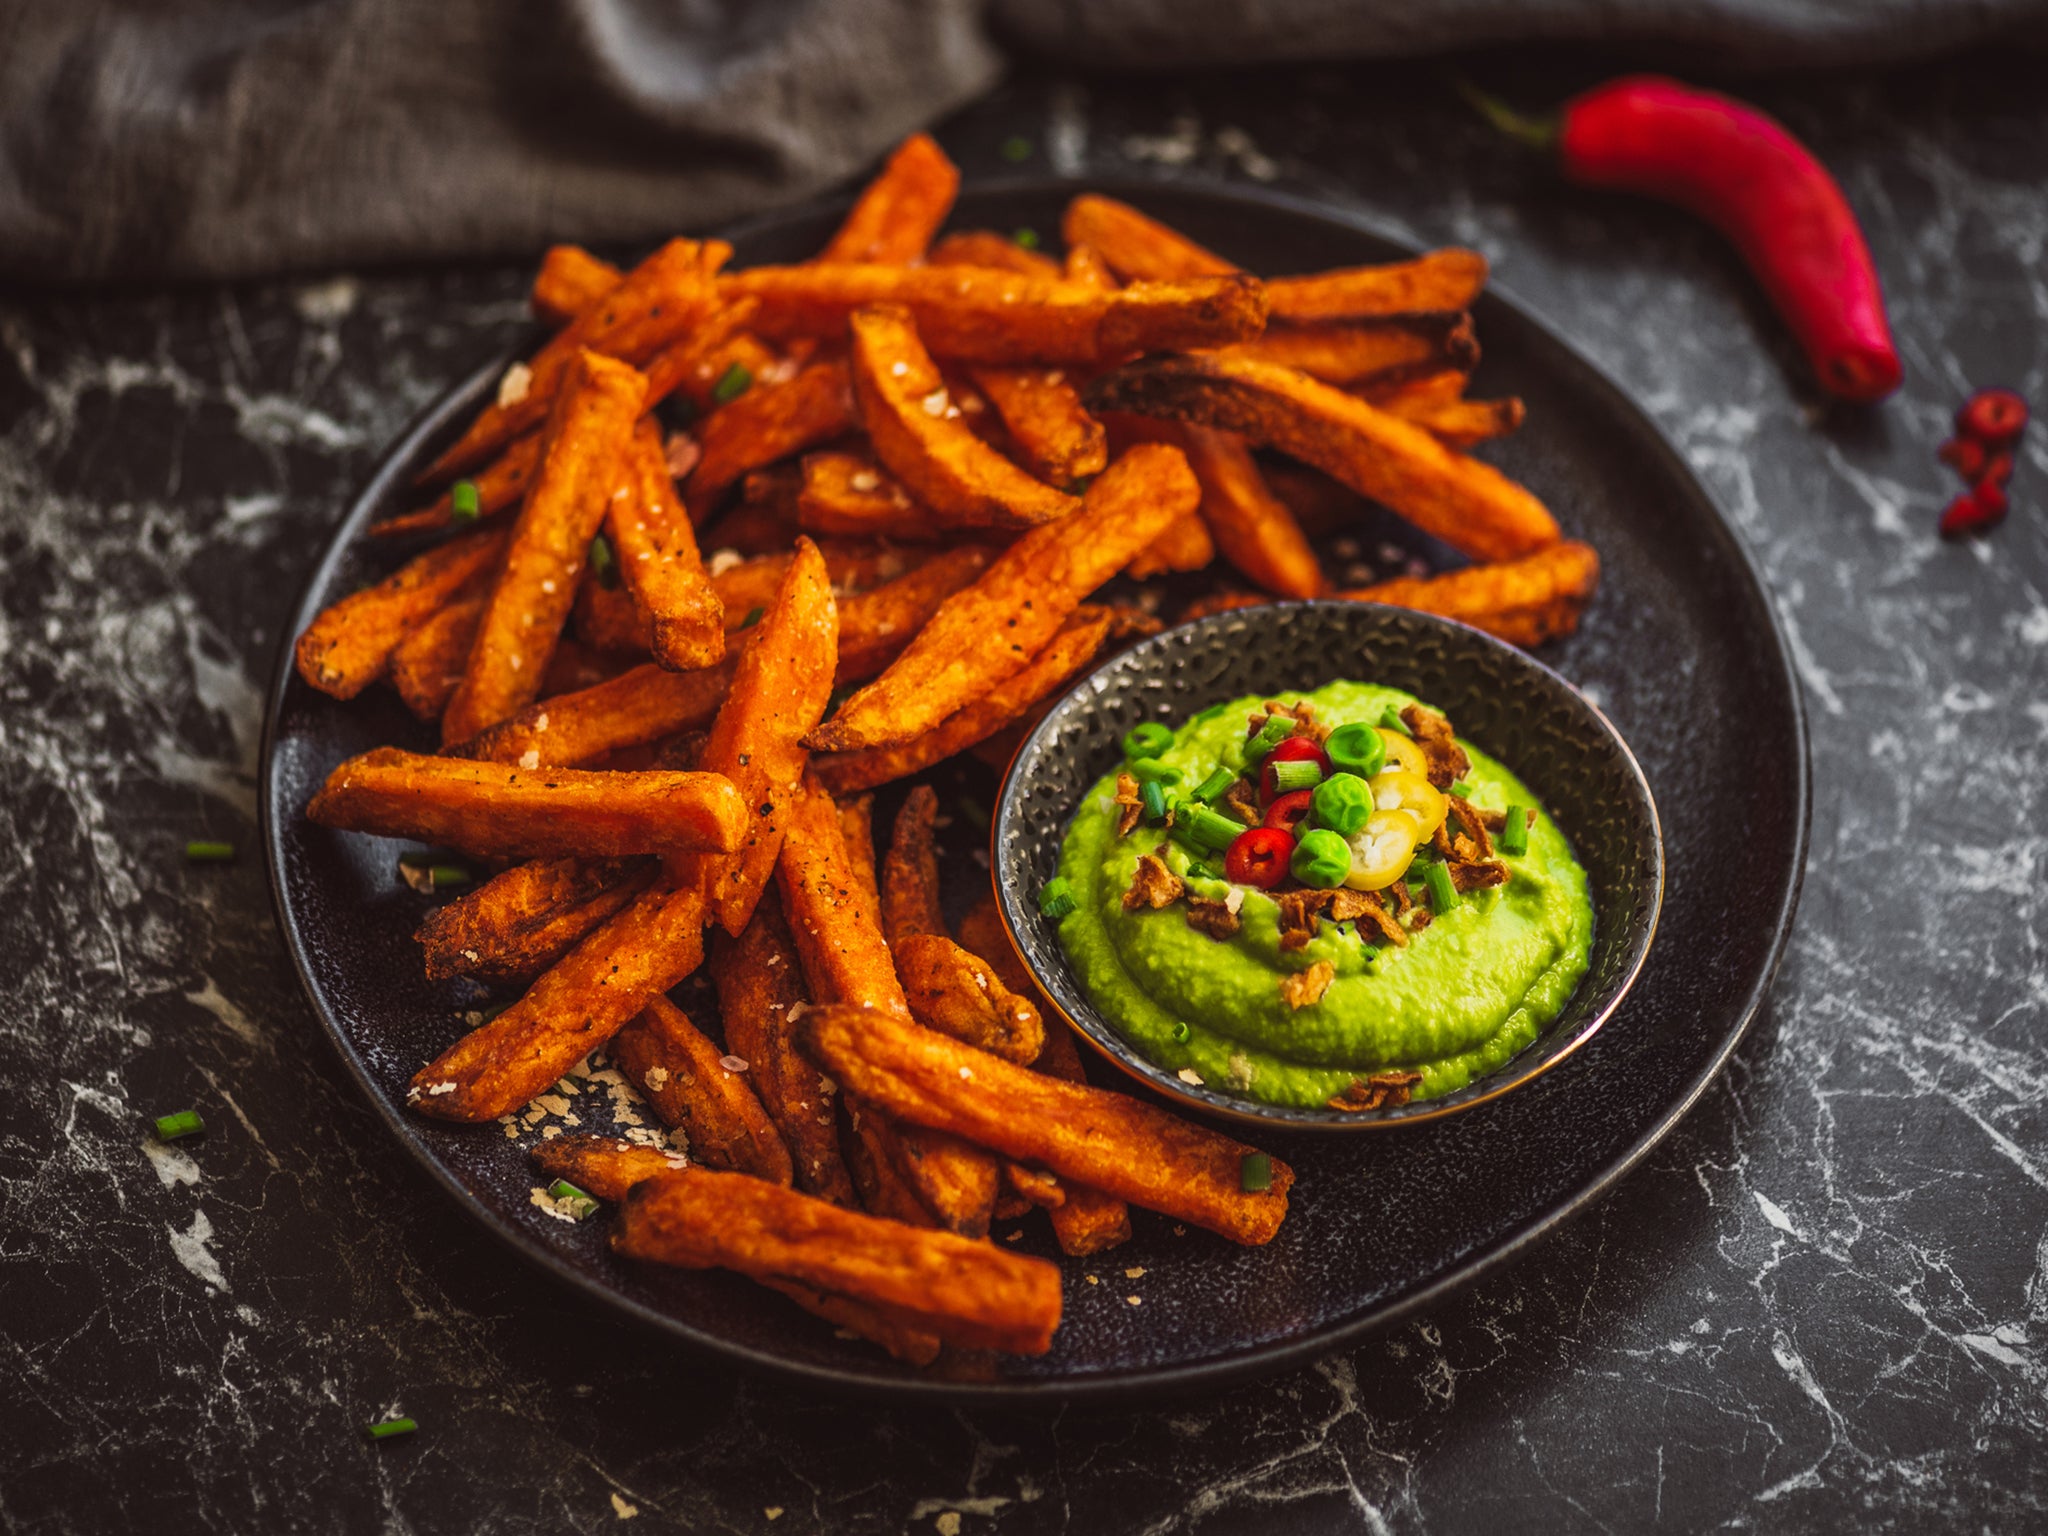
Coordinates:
1322	962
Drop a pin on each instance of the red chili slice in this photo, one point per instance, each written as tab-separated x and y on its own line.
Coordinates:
1994	417
1965	455
1974	511
1259	858
1289	811
1295	749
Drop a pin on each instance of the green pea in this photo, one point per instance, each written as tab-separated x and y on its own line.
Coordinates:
1321	859
1147	740
1149	770
1356	749
1343	802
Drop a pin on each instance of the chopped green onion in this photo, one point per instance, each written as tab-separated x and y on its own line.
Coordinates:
753	617
1390	720
185	1122
1153	798
604	563
441	877
463	503
1296	773
1197	870
1207	830
1181	1032
1255	1173
974	811
1371	954
734	382
1147	770
579	1203
1214	785
1514	832
1442	894
199	851
1016	149
1147	739
390	1427
1460	788
1276	730
1056	898
1026	236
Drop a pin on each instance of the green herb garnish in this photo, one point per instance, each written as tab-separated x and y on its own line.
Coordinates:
1255	1173
185	1122
734	382
1514	832
603	563
1056	898
464	505
199	851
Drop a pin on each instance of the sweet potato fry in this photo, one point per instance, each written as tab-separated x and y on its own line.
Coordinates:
1136	246
1088	1220
1526	602
901	209
760	992
1132	1150
529	603
910	874
915	427
781	681
349	646
610	618
1252	527
497	811
837	928
1064	655
499	484
648	702
1185	545
986	248
971	314
1043	412
990	631
955	993
1133	245
655	303
769	422
981	932
657	554
570	281
518	923
848	493
1442	281
1085	267
687	1080
1373	353
608	1169
763	522
857	831
426	666
1469	505
574	1007
969	1293
1436	402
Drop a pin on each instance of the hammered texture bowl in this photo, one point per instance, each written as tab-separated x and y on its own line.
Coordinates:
1505	702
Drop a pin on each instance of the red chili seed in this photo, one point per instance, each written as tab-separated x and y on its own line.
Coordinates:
1995	417
1965	455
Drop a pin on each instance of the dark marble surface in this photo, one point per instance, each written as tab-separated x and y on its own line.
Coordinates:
1820	1306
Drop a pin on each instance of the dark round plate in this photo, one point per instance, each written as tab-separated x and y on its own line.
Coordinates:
1499	698
1680	650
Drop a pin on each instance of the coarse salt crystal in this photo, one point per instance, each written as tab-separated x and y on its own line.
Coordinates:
513	386
723	560
440	1088
530	759
1234	900
966	1073
898	368
934	403
733	1063
657	1077
864	480
1189	1075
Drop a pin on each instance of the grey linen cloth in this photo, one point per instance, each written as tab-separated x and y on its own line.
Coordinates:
161	139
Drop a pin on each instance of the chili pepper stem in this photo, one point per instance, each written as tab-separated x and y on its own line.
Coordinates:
1536	132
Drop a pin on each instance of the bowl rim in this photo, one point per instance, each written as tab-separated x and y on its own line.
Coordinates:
1112	1047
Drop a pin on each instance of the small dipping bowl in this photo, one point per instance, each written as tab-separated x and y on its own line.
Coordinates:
1505	702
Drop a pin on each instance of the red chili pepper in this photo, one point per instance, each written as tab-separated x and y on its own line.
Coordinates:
1997	469
1289	810
1965	455
1294	749
1259	857
1743	173
1993	417
1974	511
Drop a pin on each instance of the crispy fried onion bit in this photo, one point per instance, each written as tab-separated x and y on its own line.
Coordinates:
1153	885
1215	918
1300	911
1305	987
1242	801
1469	851
1383	1090
1130	807
1301	712
1447	760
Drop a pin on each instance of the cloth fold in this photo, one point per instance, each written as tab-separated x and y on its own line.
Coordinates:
224	138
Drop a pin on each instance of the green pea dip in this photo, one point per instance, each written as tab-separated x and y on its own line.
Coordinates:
1465	994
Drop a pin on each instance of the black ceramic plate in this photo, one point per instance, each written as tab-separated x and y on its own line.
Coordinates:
1498	698
1680	650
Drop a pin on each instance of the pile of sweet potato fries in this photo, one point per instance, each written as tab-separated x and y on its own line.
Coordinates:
918	459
